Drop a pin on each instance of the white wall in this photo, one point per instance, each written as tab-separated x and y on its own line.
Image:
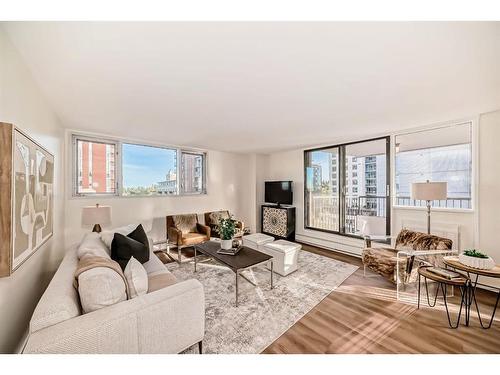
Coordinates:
489	186
230	185
22	104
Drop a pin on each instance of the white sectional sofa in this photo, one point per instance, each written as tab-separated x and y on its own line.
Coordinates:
168	320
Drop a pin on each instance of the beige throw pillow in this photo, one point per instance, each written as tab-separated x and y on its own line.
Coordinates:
137	278
100	287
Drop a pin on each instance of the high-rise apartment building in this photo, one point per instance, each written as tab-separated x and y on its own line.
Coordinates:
96	163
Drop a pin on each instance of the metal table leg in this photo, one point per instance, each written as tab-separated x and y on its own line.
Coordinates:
418	297
463	293
472	297
272	274
236	279
195	259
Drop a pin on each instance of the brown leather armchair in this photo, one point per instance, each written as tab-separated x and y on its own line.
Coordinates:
212	220
185	231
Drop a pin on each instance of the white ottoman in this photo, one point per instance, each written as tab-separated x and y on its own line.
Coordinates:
257	241
285	256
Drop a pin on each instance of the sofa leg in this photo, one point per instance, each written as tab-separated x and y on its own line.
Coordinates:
200	347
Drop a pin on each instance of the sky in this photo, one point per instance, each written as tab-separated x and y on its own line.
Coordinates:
322	158
145	165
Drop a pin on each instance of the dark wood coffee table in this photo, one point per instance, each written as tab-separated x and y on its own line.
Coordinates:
245	259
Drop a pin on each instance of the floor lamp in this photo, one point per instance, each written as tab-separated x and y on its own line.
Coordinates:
429	191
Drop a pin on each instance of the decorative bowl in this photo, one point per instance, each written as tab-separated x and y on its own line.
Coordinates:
474	262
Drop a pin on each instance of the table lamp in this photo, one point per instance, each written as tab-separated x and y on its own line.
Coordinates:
96	215
429	191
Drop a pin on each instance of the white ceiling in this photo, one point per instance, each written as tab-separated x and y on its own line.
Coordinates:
259	87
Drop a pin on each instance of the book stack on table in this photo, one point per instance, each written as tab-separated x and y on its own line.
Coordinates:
447	274
231	251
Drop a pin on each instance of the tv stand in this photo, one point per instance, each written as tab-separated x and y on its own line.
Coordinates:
278	221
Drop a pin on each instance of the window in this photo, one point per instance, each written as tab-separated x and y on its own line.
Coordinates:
337	201
148	170
322	198
95	167
144	170
192	168
438	155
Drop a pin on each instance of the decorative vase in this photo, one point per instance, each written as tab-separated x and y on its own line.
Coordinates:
474	262
226	244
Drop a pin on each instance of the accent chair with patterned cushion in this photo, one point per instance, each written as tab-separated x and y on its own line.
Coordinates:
185	231
212	220
383	260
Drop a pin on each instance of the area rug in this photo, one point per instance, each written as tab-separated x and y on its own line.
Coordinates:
262	314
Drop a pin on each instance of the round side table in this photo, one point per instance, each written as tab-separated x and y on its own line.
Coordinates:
461	282
453	262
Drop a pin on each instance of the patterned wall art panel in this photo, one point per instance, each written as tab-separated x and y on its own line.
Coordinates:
274	221
31	203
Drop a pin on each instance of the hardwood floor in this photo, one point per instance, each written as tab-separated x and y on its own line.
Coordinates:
363	316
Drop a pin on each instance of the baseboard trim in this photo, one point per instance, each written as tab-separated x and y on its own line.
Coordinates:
327	245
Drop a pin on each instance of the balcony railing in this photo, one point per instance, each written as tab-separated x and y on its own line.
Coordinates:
324	211
464	203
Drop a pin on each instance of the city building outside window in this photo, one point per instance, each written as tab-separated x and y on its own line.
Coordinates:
438	155
144	170
192	171
95	167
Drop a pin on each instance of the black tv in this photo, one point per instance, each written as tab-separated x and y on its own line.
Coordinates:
279	192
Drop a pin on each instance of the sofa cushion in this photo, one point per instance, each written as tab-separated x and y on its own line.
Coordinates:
60	301
100	287
186	223
160	280
137	278
92	245
153	264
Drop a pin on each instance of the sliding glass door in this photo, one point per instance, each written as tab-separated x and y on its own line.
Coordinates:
347	188
322	189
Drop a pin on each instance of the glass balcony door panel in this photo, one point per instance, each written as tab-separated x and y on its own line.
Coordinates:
322	189
365	193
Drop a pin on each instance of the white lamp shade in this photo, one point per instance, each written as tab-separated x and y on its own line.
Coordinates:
96	215
429	191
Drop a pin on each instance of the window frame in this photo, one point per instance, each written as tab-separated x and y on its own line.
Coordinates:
180	186
118	143
474	158
75	167
342	186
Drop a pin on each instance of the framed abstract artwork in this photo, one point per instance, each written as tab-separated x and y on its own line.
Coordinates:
26	199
